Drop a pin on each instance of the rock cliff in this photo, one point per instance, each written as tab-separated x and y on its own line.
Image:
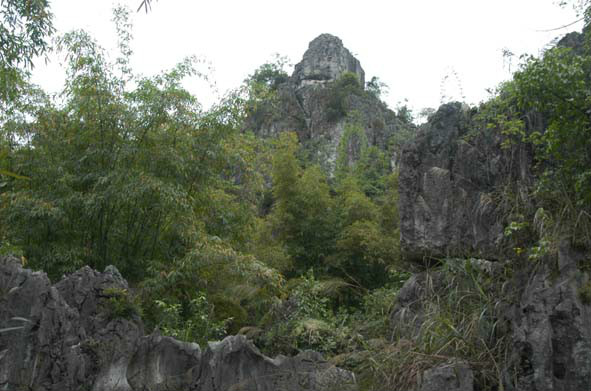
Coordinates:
453	192
82	334
450	178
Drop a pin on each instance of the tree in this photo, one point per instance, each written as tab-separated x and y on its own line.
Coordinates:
24	32
121	176
376	87
303	214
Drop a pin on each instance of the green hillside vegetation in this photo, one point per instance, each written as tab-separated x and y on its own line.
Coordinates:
220	232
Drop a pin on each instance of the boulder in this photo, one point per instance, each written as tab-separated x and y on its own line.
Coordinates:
55	342
163	364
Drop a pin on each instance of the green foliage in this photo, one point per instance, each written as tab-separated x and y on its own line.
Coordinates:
194	323
125	176
24	31
118	303
303	214
352	146
306	320
217	271
461	318
376	87
545	109
261	99
363	249
368	164
339	92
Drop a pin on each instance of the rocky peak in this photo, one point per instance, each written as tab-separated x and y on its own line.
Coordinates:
325	60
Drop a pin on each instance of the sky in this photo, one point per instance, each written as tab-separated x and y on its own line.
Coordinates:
426	51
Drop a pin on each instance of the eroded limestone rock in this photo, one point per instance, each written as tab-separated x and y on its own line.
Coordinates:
552	326
450	180
70	337
326	60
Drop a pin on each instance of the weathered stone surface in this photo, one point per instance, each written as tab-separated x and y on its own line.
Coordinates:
552	326
325	60
63	339
455	376
70	337
163	364
449	181
236	364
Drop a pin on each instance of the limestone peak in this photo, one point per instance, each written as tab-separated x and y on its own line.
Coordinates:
325	60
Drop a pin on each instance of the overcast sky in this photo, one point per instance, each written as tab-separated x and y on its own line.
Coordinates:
410	45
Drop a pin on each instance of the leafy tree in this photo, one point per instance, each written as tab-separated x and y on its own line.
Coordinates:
121	176
339	92
238	288
24	32
368	164
363	251
376	87
303	214
556	87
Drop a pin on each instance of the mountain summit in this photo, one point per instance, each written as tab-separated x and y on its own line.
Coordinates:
326	60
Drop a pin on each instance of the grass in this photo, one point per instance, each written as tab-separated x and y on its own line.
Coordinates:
461	320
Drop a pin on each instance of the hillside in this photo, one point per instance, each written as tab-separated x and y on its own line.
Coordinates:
298	235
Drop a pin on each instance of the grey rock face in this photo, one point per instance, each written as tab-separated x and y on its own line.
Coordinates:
163	364
63	339
448	377
325	60
448	183
552	326
235	363
70	337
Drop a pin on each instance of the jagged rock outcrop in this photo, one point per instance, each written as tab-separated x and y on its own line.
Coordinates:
326	60
82	334
60	337
235	363
163	364
315	103
450	178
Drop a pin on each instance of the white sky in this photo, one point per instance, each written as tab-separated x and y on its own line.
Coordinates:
410	45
